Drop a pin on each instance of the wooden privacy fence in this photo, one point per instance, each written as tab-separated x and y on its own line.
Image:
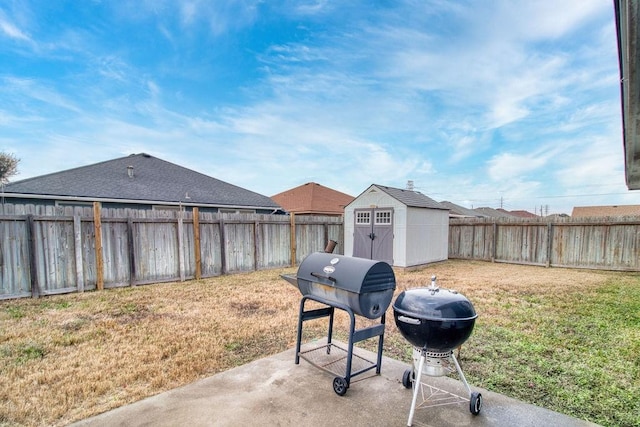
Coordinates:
608	244
56	250
51	250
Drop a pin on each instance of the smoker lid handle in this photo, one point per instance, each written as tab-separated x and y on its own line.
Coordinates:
320	276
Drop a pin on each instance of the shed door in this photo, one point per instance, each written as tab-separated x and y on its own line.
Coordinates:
373	234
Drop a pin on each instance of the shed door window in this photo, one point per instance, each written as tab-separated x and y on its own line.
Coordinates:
363	217
383	217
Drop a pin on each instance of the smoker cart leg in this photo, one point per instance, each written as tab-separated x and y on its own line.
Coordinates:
416	388
299	338
352	328
330	333
380	345
475	398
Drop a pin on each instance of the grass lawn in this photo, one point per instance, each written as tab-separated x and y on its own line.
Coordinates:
567	340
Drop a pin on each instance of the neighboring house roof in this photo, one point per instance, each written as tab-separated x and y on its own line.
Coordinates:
494	213
410	198
460	211
313	198
523	214
138	178
602	211
627	14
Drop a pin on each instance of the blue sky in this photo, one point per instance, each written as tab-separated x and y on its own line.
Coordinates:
482	103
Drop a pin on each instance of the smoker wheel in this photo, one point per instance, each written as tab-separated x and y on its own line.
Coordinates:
407	378
475	403
340	386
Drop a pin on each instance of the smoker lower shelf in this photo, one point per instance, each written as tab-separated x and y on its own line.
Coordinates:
332	358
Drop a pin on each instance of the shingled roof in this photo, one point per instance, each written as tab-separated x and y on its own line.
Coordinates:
494	213
138	178
460	211
410	198
312	198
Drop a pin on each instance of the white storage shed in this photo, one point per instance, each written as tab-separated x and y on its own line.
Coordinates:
402	227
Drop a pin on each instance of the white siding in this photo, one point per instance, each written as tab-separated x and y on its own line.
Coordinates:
427	236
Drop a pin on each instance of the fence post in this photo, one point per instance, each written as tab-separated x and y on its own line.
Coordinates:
77	234
292	227
33	268
97	226
196	242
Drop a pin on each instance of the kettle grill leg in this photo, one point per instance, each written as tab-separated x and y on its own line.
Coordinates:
416	388
475	398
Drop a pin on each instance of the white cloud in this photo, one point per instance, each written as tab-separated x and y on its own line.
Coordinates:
34	90
12	31
508	166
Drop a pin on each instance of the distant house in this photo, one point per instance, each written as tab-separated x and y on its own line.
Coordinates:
523	214
138	181
604	211
402	227
494	213
457	211
313	199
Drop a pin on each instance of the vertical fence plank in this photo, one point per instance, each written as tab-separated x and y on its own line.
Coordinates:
33	266
77	237
292	228
223	247
494	246
181	254
256	224
132	254
97	225
549	243
196	242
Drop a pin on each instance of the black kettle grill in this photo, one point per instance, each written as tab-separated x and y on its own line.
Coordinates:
435	321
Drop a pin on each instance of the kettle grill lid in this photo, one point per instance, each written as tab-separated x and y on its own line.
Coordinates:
434	304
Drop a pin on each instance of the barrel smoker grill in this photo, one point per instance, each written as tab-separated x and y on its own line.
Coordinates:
355	285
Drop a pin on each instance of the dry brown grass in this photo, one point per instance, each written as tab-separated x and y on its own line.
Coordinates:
65	358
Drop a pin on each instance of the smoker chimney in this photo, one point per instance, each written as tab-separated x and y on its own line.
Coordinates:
130	171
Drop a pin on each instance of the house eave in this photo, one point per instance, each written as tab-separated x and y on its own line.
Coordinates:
131	201
626	16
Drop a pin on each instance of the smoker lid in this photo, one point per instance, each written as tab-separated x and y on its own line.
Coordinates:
357	275
433	303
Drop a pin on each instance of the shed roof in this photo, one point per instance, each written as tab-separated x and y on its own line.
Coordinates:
410	198
313	198
603	211
139	178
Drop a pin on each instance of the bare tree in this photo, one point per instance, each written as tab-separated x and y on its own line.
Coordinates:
8	167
